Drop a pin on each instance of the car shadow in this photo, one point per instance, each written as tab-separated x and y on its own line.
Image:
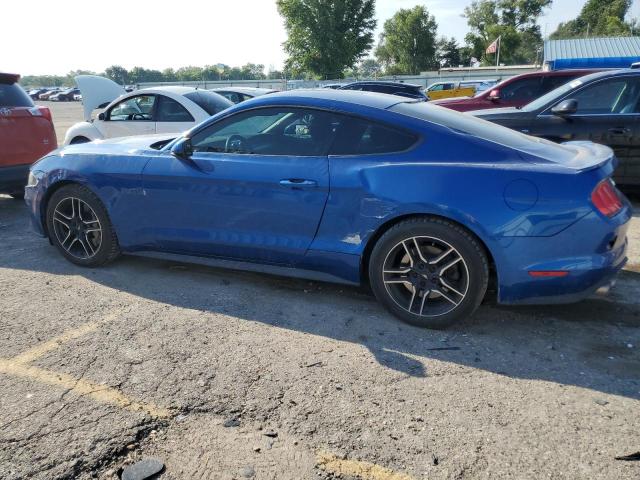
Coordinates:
594	344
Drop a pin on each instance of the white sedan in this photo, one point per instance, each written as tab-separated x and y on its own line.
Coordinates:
141	112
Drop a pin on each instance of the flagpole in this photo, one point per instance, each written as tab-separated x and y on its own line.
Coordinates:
498	54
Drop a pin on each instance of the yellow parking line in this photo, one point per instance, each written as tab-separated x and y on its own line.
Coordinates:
39	350
364	470
101	393
18	366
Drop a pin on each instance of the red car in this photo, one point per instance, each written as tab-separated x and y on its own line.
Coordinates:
26	134
515	91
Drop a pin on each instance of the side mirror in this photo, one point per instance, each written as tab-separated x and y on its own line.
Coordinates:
182	149
101	116
494	95
565	108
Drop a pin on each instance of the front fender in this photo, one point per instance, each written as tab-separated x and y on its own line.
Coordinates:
82	129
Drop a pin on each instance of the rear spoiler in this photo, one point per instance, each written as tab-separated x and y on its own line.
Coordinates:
9	78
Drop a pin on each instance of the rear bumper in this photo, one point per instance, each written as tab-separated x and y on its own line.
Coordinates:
14	178
592	251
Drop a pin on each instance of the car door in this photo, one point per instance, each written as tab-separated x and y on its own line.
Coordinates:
171	117
607	113
130	116
254	188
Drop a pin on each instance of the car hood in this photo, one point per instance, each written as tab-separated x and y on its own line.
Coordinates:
96	91
120	145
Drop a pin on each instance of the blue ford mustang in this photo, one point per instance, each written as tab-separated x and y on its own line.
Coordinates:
427	205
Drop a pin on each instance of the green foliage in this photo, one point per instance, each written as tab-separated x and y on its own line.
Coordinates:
67	80
598	18
118	74
448	52
408	42
325	37
515	21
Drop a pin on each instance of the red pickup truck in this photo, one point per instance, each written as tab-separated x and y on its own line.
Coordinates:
26	134
515	91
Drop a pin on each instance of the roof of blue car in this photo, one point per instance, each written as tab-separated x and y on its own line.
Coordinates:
367	99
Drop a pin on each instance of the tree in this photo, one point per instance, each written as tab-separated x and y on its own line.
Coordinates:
325	38
598	18
448	52
370	68
252	71
118	74
408	42
514	21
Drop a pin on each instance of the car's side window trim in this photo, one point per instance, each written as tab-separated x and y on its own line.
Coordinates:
419	138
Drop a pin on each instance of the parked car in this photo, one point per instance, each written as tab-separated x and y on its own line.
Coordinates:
392	88
48	93
515	91
426	204
145	111
26	134
35	92
602	107
65	95
241	94
77	97
333	86
439	90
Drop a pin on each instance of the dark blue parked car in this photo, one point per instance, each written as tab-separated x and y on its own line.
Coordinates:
426	204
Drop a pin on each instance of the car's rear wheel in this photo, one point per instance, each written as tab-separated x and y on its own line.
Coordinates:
429	272
80	228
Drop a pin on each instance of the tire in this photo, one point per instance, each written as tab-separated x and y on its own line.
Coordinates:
79	140
414	277
79	227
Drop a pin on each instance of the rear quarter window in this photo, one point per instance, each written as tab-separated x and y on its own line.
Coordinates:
355	136
210	102
12	95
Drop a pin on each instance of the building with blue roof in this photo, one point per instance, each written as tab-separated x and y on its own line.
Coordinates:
603	52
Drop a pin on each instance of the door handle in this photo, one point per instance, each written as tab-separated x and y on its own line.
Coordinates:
298	183
619	131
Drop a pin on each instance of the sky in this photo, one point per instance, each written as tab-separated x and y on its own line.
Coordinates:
94	34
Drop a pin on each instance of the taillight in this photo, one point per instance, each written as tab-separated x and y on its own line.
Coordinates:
606	199
41	112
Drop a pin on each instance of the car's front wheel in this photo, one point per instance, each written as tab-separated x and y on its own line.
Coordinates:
79	226
429	272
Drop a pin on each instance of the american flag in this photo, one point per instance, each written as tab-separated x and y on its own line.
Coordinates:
494	46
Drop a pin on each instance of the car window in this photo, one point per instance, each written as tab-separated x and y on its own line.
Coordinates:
231	96
138	108
270	131
555	81
437	87
620	95
12	95
169	110
522	90
355	136
210	102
